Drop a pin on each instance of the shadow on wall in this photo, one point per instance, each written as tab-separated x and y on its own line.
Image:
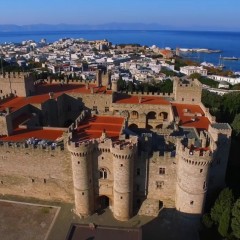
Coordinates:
172	225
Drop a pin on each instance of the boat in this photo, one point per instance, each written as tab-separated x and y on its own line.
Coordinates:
229	58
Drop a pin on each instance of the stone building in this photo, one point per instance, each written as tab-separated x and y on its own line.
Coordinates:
89	144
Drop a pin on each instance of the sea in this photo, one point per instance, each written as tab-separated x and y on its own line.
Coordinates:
227	42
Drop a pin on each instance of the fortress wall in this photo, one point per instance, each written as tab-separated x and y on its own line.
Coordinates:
192	180
10	118
218	170
36	173
140	175
50	113
211	118
162	186
3	125
103	160
91	100
189	93
143	110
29	84
18	84
69	109
169	95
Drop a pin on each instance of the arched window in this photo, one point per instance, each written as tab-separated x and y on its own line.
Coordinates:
103	173
151	115
134	114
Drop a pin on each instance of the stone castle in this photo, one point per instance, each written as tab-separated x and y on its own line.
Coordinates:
88	144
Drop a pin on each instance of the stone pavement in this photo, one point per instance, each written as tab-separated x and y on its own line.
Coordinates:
168	225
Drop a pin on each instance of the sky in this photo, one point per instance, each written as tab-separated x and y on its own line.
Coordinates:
178	13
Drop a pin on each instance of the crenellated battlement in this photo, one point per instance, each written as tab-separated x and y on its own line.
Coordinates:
81	149
221	127
81	117
124	149
157	157
200	157
37	147
19	75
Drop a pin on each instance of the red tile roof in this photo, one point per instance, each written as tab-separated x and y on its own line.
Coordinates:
69	88
93	127
42	94
23	134
144	100
188	116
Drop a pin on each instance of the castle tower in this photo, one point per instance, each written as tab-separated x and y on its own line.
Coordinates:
123	161
18	84
81	155
99	77
187	91
220	133
106	79
192	179
114	85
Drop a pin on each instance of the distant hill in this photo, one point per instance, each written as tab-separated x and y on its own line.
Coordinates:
72	27
107	26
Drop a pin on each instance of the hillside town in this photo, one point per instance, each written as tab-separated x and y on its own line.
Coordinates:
79	58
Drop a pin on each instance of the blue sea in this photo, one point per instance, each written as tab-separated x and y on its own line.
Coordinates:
227	42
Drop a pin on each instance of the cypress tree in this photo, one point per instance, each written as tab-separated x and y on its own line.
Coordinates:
236	219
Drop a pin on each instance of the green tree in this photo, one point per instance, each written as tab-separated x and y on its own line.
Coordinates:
207	221
224	201
130	86
236	124
195	76
236	219
208	82
167	86
121	84
230	106
224	222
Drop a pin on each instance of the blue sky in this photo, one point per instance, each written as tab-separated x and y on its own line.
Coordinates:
179	13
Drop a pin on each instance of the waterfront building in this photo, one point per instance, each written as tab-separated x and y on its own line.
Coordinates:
220	79
188	70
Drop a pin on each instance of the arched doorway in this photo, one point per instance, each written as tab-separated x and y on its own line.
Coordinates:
103	202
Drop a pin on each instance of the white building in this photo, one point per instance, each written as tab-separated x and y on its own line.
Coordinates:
230	80
188	70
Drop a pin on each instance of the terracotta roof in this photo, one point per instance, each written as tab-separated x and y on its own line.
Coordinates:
42	94
191	116
69	88
23	134
93	127
144	100
165	51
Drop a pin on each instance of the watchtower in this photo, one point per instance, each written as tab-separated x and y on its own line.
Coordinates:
192	178
81	155
123	162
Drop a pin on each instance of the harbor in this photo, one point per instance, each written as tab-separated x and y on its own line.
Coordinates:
199	50
230	58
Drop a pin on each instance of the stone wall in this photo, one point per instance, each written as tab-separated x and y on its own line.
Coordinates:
39	173
3	125
19	84
189	92
96	101
162	183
